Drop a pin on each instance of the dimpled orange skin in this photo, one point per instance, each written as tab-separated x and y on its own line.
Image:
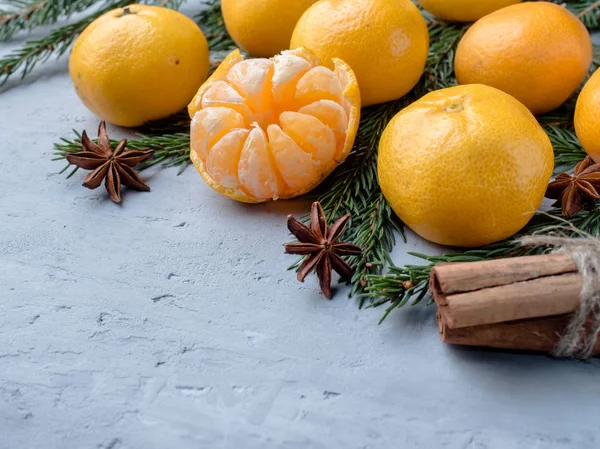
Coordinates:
538	52
262	27
465	166
587	117
130	68
385	42
464	10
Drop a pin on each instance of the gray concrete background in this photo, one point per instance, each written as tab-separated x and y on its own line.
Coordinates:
170	322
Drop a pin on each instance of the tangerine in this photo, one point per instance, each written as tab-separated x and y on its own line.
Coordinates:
587	116
262	27
265	129
138	63
385	42
538	52
465	166
464	10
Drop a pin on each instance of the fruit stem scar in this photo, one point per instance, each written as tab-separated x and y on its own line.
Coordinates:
126	12
454	107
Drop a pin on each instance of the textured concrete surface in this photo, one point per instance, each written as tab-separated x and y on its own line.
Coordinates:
170	322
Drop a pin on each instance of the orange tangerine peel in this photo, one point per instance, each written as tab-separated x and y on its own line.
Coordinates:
265	129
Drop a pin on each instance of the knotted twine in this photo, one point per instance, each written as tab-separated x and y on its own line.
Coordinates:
577	341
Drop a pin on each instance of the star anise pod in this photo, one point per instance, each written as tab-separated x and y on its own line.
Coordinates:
574	192
320	245
115	167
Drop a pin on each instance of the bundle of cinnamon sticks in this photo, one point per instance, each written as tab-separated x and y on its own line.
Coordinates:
522	303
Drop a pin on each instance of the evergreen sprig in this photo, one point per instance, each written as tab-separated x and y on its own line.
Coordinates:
168	149
353	188
568	152
409	283
588	11
26	15
439	70
211	22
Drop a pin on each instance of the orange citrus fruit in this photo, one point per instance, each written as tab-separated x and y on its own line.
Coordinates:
139	63
587	117
465	166
262	27
538	52
384	41
464	10
265	129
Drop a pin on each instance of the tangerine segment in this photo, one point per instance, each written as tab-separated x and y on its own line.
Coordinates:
222	161
289	68
265	129
296	166
256	172
310	134
329	112
210	125
222	94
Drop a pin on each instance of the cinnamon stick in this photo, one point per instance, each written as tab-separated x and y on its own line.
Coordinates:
537	334
463	277
480	293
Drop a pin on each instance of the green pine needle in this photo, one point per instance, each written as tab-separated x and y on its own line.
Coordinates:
568	152
588	11
169	150
391	289
27	15
211	22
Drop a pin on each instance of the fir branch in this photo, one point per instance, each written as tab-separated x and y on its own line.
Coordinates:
588	11
568	152
353	188
439	70
375	233
176	123
168	149
27	15
351	184
410	282
59	40
596	58
211	22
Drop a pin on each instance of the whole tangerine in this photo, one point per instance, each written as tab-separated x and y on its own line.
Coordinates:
385	42
138	63
538	52
465	166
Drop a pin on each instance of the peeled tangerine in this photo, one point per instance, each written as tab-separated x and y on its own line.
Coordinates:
265	129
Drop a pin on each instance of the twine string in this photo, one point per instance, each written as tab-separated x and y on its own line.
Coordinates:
578	340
